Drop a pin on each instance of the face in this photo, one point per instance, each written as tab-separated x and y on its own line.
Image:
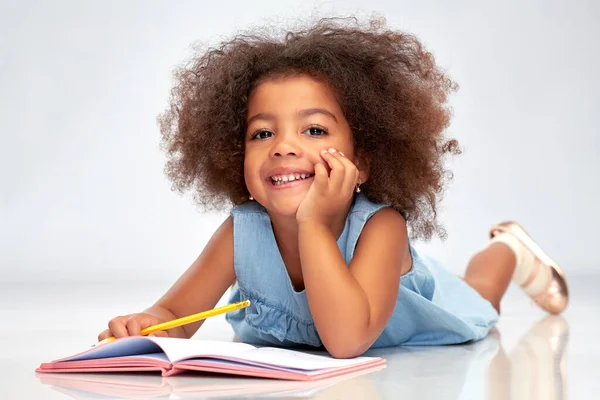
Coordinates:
289	122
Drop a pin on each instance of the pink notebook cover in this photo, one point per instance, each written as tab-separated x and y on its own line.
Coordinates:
172	356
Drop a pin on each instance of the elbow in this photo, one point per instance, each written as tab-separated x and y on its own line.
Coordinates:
344	353
346	348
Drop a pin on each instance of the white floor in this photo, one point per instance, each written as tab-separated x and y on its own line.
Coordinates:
529	356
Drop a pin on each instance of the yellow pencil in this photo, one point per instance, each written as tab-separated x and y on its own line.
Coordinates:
186	320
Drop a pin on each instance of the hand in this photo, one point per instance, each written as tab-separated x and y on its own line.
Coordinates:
329	193
131	325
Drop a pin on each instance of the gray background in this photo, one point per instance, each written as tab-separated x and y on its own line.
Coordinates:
83	196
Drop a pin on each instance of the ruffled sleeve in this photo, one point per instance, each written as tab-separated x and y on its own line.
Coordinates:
274	320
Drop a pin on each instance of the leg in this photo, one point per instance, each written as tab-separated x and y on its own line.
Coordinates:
490	272
537	274
513	256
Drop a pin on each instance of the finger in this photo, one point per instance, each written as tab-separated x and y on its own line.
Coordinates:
117	327
337	168
351	172
352	176
159	334
104	334
140	322
321	178
133	326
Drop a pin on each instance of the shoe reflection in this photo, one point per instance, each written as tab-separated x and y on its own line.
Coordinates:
534	369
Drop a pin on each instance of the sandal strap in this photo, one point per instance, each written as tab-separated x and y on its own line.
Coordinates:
534	271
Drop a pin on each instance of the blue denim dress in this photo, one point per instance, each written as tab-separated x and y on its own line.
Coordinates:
433	306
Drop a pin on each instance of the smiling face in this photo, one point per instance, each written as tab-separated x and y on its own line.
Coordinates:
290	120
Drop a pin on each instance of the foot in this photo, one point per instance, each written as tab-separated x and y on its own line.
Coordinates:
540	277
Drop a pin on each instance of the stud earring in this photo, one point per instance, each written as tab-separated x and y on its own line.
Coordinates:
251	198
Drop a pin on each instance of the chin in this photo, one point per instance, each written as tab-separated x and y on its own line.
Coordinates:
283	207
284	210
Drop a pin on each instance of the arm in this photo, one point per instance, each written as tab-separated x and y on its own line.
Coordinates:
352	304
202	285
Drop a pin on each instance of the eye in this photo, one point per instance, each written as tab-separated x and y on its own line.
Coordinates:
264	134
316	131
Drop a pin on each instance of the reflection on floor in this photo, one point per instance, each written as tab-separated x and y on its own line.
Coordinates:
529	355
534	369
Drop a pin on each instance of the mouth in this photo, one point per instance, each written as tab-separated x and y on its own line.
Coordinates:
289	179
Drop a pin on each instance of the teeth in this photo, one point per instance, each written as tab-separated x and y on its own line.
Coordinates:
281	179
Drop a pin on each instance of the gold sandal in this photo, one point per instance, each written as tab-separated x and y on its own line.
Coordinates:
555	296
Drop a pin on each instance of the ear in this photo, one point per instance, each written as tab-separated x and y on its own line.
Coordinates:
363	165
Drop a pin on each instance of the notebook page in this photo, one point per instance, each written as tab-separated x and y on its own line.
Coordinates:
300	361
174	348
130	346
177	349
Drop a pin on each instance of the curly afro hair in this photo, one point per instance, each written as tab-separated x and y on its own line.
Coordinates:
388	86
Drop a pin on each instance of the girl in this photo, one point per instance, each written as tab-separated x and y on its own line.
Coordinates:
329	144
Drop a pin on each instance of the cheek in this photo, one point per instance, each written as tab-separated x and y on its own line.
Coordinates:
251	172
247	171
344	144
348	151
314	156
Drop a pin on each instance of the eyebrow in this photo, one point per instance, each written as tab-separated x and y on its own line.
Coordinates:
302	113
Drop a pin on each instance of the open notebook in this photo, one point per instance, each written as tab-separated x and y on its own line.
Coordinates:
172	356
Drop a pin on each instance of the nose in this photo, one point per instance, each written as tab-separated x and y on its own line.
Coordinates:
285	145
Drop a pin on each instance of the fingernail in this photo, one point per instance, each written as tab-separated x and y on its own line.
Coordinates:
332	150
341	154
324	152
